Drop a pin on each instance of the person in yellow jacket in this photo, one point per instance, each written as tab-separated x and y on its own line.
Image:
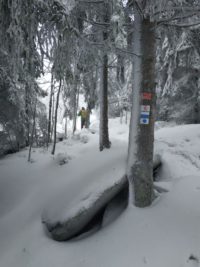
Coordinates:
84	117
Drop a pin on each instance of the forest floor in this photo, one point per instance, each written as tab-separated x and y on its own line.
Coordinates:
167	234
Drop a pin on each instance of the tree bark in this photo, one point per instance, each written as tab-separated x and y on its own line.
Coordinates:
27	103
33	130
50	111
56	116
76	101
52	115
141	136
104	135
120	69
66	127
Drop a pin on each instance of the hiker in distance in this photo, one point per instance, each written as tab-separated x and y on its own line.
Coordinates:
84	117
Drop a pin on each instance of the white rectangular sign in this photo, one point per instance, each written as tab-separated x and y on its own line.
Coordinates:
145	108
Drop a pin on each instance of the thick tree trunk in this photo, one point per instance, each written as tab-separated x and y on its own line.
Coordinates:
56	116
143	180
103	134
141	138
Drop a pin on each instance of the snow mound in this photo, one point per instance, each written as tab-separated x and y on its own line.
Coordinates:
82	136
76	136
65	220
84	139
73	219
62	158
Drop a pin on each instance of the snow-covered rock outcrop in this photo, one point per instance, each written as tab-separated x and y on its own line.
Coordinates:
72	221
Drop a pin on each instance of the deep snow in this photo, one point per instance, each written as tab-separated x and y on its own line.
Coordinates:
167	234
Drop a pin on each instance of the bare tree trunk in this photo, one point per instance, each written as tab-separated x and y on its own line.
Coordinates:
103	133
126	116
12	146
121	114
50	111
66	127
141	136
143	181
75	108
120	69
27	115
32	132
56	116
36	137
52	115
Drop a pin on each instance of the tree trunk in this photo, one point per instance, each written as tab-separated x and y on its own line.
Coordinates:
52	116
126	116
103	133
32	133
66	127
27	103
141	136
120	69
76	98
50	111
121	115
56	115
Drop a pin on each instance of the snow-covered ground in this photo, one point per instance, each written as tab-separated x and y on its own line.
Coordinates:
167	234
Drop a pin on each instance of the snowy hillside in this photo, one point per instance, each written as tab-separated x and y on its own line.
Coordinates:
167	234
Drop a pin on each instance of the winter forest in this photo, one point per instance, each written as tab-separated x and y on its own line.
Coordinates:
99	133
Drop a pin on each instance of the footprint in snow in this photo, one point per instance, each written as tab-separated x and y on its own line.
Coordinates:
193	261
187	140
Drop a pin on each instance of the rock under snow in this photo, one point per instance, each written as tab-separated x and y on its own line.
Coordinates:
110	200
62	158
84	139
78	217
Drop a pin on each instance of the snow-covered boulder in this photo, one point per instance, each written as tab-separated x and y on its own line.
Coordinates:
76	136
81	136
72	221
62	158
84	139
116	206
79	216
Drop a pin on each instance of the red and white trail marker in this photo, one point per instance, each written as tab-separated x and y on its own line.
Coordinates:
146	96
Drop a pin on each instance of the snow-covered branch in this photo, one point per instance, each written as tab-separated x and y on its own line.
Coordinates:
184	25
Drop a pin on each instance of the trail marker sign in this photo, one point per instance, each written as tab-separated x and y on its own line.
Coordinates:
144	120
146	96
144	114
145	108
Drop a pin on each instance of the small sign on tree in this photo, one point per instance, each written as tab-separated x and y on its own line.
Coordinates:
146	96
